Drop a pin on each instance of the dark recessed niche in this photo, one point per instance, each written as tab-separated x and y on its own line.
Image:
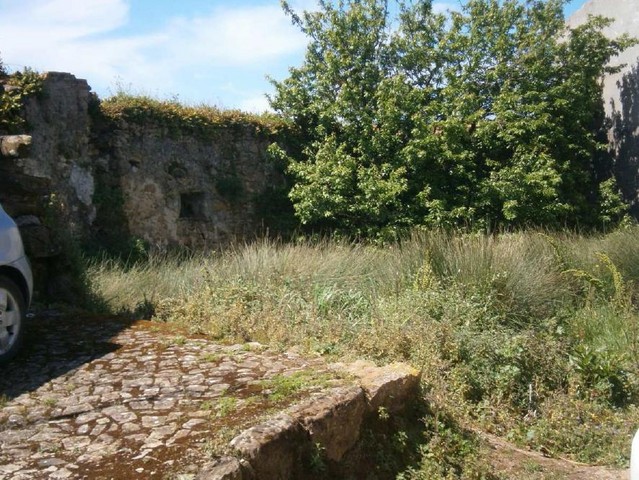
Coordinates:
177	170
192	205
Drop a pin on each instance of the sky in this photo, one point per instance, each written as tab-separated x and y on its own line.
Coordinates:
217	52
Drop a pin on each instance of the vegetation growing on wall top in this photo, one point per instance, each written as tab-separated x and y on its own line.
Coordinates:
14	89
200	120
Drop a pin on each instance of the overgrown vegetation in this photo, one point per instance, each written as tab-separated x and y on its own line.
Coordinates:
531	336
486	118
14	89
201	120
73	284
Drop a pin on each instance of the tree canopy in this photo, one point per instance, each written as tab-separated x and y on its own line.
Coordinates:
489	117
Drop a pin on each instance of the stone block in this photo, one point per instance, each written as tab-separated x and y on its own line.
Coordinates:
334	420
390	386
14	145
274	448
226	468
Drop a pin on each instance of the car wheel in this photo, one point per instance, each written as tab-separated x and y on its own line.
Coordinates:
12	314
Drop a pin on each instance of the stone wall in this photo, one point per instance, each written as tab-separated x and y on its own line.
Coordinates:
81	175
56	166
166	187
179	189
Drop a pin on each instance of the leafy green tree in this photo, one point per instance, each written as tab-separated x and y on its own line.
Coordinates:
346	178
486	117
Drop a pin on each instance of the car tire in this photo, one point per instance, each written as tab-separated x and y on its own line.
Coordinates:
12	315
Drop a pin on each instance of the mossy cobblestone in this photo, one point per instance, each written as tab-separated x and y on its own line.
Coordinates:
106	398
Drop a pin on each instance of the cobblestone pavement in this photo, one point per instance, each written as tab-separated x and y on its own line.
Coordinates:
105	398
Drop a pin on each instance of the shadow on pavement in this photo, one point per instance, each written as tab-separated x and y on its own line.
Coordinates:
55	345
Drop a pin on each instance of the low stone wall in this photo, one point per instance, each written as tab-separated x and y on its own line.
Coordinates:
178	189
333	420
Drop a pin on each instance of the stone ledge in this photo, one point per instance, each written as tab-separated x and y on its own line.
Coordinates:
332	420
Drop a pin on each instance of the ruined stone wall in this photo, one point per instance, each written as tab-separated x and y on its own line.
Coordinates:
145	180
77	174
54	171
181	189
46	180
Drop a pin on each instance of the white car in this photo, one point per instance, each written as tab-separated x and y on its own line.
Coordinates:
16	288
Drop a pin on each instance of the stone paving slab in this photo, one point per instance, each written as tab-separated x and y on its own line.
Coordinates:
110	399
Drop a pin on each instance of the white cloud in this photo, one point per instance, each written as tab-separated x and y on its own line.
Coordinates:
69	35
255	104
88	39
31	21
79	17
234	36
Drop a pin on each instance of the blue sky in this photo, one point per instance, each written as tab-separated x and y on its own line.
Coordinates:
217	52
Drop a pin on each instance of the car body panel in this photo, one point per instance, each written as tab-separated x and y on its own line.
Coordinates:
12	254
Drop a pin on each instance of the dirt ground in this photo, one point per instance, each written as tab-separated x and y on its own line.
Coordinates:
516	463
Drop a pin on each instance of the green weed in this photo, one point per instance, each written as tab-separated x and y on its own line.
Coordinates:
225	406
211	357
514	333
283	387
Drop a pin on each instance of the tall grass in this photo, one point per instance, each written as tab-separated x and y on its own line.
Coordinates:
509	330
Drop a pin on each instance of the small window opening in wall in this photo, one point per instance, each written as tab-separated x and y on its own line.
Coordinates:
192	205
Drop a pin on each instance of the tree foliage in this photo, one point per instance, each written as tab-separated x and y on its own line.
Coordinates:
487	117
